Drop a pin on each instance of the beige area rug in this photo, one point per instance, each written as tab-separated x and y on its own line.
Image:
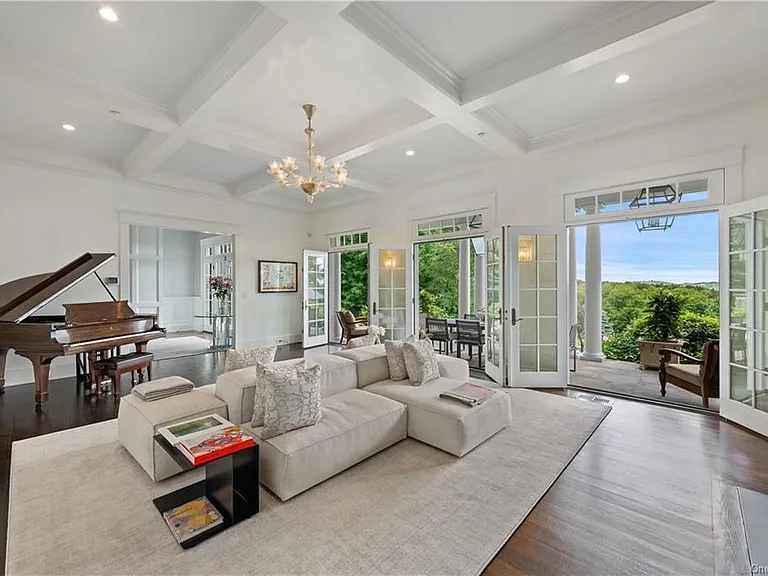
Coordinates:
80	505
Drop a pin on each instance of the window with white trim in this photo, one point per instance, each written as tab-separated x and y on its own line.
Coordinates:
666	196
449	226
357	240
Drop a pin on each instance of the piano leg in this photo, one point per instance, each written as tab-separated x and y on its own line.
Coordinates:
41	365
3	355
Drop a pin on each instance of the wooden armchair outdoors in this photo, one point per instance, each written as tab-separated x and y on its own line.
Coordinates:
351	327
701	376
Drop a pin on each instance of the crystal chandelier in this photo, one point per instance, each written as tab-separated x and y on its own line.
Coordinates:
318	176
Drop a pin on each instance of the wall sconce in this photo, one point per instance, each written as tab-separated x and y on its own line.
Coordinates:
389	263
525	251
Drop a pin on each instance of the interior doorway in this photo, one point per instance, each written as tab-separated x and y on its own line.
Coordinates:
186	278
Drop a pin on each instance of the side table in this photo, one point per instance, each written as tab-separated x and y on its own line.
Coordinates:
231	484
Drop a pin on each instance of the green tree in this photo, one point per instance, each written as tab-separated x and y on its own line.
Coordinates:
439	278
354	282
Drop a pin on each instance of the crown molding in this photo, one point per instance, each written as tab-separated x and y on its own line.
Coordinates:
497	121
725	97
14	154
384	31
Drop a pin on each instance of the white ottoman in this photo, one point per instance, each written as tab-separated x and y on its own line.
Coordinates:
444	424
138	421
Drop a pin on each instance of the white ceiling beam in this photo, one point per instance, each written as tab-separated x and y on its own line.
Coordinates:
396	58
267	40
620	32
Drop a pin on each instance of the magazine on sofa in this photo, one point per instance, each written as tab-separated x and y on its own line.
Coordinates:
468	394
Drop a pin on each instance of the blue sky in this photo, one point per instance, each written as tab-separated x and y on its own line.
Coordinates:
687	252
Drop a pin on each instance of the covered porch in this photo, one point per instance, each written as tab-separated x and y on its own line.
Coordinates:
626	378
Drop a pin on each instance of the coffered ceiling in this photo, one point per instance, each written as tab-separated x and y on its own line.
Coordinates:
200	96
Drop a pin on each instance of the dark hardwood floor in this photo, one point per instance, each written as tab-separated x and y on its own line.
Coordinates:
637	499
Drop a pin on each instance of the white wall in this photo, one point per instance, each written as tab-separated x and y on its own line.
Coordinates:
49	218
181	263
530	191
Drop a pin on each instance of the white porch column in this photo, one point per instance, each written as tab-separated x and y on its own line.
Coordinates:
480	286
464	278
573	294
593	310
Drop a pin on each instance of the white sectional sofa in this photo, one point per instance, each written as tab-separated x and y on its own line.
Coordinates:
363	411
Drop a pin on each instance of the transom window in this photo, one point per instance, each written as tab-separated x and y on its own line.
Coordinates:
673	195
357	240
456	225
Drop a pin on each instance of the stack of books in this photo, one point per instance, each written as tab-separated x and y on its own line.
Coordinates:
191	519
206	438
468	394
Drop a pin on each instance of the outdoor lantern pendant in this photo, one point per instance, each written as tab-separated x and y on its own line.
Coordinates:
319	177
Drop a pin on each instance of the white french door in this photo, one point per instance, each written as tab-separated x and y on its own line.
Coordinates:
744	314
391	289
495	311
538	314
315	298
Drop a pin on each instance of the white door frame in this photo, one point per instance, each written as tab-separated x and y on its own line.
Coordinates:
498	370
733	410
517	317
321	338
374	306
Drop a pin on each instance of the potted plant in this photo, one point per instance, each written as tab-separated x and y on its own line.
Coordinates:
661	327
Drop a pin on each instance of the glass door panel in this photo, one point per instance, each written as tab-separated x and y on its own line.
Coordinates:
744	322
391	293
315	298
495	357
538	328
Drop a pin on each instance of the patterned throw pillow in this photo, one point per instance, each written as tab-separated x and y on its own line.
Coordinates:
349	318
362	341
291	398
421	362
237	359
394	350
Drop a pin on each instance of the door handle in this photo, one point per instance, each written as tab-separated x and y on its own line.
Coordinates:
374	308
513	317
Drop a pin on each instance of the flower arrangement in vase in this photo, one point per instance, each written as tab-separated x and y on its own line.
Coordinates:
221	289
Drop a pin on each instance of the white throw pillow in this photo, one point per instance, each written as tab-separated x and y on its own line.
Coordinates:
395	360
363	341
239	358
420	362
291	398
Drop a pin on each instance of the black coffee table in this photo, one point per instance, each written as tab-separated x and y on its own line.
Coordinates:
231	484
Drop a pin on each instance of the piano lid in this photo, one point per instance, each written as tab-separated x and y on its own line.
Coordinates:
25	296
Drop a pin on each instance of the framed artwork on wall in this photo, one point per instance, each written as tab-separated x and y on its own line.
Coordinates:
277	276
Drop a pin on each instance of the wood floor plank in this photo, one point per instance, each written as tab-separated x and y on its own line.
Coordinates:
729	538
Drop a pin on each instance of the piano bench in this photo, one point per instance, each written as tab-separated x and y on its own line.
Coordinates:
118	365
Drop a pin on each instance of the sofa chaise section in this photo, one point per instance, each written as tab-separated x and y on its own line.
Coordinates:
444	424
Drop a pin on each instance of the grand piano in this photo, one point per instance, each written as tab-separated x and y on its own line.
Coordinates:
85	330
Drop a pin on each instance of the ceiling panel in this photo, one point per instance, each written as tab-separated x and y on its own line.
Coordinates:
470	36
699	57
211	164
156	49
347	99
434	148
30	116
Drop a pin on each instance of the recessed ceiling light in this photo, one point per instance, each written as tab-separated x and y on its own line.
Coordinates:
68	127
409	152
622	78
109	14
